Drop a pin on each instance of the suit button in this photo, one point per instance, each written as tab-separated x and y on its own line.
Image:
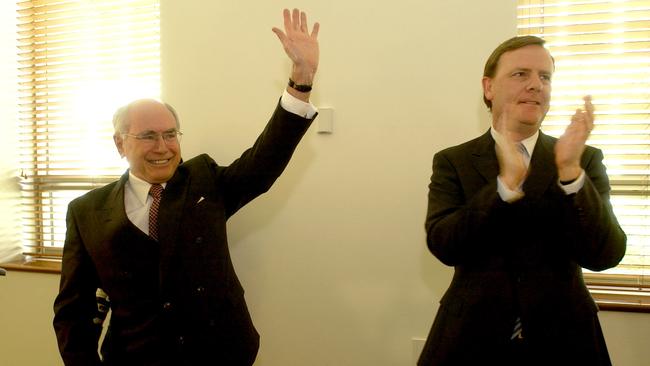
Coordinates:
198	240
200	290
167	306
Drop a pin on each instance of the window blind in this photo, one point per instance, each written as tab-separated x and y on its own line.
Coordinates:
10	248
602	48
79	61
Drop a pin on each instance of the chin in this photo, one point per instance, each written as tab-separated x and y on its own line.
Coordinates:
160	177
531	119
531	122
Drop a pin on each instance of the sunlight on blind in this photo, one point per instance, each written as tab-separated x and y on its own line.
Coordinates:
602	48
10	246
79	61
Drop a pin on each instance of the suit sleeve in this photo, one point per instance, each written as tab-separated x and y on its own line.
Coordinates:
460	229
598	240
454	224
75	306
259	166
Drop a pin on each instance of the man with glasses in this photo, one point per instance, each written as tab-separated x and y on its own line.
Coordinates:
153	244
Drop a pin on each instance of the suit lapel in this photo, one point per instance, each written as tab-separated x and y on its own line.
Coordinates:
112	216
484	157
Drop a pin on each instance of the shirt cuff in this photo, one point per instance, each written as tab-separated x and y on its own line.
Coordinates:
574	186
296	106
507	194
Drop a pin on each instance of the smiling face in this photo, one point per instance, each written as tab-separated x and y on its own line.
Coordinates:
521	88
154	162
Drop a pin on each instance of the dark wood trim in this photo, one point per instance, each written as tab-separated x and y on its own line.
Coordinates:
621	307
33	265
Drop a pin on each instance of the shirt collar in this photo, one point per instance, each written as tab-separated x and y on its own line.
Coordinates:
140	187
528	142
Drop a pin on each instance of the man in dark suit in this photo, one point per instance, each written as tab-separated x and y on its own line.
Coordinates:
174	295
519	214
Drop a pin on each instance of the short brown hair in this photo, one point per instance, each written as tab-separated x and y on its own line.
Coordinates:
511	44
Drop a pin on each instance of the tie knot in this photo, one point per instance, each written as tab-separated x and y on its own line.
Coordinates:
156	190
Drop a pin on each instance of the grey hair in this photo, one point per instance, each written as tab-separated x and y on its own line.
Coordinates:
121	122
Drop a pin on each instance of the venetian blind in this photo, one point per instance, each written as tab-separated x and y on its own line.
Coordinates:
79	61
602	48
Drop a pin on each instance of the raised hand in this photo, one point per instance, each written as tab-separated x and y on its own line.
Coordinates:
300	45
569	147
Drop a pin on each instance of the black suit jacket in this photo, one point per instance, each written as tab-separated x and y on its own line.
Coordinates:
521	259
177	301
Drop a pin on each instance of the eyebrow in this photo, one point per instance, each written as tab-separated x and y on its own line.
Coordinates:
529	70
147	132
542	73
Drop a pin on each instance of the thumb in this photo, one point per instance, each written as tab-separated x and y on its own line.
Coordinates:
281	36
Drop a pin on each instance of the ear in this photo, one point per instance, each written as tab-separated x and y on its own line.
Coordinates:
487	88
119	144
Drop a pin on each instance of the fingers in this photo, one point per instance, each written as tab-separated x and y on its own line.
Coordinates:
571	144
512	167
583	120
501	123
296	21
589	111
287	20
287	26
280	34
303	23
314	32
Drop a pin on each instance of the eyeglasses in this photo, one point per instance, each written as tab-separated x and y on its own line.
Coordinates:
170	137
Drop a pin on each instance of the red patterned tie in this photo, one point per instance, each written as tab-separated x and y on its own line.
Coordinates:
155	192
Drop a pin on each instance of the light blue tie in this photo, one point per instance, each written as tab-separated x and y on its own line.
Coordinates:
516	332
524	153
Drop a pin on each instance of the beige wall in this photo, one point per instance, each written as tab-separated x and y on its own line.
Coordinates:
26	333
333	258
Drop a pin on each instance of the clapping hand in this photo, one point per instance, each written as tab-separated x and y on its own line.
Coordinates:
512	167
569	147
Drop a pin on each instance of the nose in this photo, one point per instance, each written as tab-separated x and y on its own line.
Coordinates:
161	144
535	83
